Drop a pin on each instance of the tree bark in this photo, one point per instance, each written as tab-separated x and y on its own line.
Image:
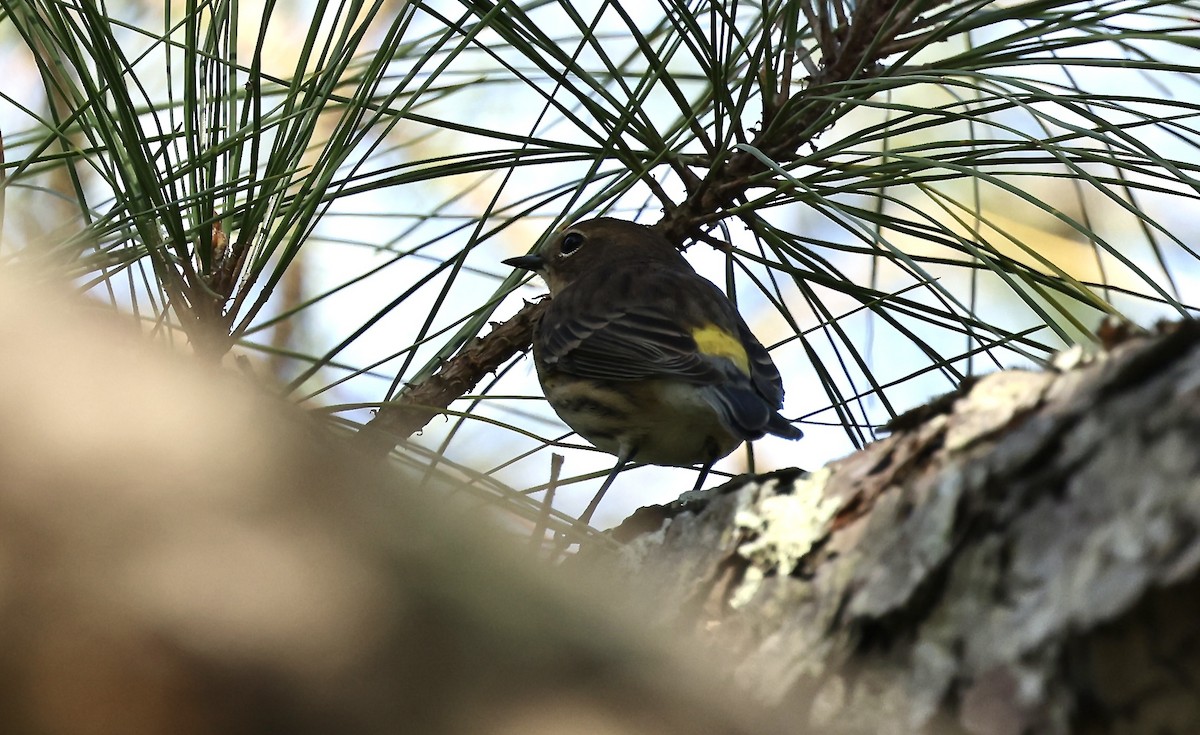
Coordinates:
1021	558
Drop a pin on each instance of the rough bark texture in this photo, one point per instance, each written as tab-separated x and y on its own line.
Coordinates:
1022	560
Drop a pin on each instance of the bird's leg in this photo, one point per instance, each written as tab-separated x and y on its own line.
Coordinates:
703	474
625	457
712	453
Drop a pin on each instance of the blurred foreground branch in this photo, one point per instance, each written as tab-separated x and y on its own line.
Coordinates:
183	554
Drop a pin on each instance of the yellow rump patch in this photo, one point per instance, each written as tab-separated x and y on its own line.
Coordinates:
716	342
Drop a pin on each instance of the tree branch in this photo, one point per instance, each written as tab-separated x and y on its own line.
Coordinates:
856	53
417	404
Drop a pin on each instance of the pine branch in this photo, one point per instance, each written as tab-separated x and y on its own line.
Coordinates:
851	50
418	403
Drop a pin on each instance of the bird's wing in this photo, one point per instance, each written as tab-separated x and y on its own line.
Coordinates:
638	340
634	343
631	342
763	372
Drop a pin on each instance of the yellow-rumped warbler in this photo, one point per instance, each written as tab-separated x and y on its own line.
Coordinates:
643	357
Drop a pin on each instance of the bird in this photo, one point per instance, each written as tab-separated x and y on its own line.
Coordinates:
645	358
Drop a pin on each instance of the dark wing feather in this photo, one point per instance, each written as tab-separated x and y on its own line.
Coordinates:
629	343
627	325
767	383
763	372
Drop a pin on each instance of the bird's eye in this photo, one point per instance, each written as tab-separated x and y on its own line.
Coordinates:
570	243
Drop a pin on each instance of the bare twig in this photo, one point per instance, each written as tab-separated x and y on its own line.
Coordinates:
538	537
417	404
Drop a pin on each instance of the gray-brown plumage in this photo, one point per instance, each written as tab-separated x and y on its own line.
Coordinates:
642	356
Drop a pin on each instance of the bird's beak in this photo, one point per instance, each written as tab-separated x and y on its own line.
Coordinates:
532	262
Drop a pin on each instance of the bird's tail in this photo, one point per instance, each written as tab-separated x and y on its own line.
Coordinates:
779	426
748	414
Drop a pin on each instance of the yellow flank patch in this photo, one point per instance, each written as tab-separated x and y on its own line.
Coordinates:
716	342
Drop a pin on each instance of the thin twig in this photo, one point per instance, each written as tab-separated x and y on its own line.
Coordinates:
417	404
538	536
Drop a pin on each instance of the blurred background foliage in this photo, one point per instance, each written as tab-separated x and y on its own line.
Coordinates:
319	192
